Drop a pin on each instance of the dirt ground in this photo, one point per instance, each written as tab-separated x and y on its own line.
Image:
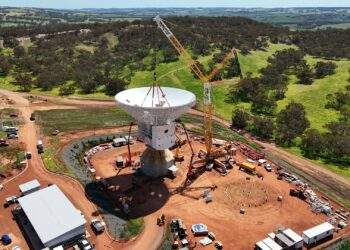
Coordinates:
236	231
29	135
263	212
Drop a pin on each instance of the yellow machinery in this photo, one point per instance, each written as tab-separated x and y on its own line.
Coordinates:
249	167
208	107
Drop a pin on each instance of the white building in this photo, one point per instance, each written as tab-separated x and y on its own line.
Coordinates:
53	217
296	238
267	244
318	233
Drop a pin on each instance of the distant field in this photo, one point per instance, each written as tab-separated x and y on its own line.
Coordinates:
337	26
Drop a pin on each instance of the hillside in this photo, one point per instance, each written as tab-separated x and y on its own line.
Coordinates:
280	67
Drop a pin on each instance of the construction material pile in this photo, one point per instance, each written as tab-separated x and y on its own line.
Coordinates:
249	151
317	204
91	152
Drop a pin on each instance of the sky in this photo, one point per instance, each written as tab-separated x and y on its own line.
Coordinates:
77	4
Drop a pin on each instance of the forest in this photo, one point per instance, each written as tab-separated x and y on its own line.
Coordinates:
108	56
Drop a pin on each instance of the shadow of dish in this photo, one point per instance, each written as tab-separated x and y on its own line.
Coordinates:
143	196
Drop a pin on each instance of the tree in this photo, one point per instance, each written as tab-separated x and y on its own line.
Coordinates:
240	118
312	143
262	127
290	123
113	86
246	89
19	51
66	89
323	69
304	74
5	66
24	80
345	245
262	104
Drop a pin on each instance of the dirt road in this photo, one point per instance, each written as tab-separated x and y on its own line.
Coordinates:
150	238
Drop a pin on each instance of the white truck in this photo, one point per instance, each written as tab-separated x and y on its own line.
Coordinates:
40	147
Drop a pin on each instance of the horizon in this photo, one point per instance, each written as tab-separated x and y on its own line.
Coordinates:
159	4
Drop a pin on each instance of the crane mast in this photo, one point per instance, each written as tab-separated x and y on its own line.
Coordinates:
207	103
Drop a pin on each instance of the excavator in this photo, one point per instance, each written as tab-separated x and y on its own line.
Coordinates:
210	154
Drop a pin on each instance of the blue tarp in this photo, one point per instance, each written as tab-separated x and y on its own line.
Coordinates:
199	229
6	239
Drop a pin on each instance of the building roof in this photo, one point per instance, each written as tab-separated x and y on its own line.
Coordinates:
292	235
25	187
119	139
317	230
271	244
50	213
262	245
286	241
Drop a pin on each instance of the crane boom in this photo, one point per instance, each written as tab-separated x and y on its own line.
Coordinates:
208	107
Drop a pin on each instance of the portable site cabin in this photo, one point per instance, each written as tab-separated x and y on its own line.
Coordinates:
296	238
120	141
267	244
316	234
284	241
29	187
261	246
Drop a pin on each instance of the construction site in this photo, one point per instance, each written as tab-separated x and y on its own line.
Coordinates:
191	189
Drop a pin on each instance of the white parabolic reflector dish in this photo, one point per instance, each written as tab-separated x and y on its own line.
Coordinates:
155	105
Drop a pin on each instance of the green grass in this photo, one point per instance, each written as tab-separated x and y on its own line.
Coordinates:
181	77
338	169
84	47
112	40
313	97
132	228
13	154
52	164
5	118
219	131
74	119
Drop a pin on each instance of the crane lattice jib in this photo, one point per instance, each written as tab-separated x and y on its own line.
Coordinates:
208	107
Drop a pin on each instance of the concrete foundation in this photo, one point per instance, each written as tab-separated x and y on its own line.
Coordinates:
155	163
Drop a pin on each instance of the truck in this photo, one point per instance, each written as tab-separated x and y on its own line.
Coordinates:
3	143
40	147
119	162
247	167
10	200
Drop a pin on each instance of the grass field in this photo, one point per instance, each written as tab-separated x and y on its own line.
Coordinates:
10	157
70	120
178	75
313	97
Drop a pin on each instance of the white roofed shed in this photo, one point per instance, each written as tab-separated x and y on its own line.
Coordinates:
317	233
296	238
271	244
29	187
53	217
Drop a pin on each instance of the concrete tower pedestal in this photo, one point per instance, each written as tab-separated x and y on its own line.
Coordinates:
155	163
